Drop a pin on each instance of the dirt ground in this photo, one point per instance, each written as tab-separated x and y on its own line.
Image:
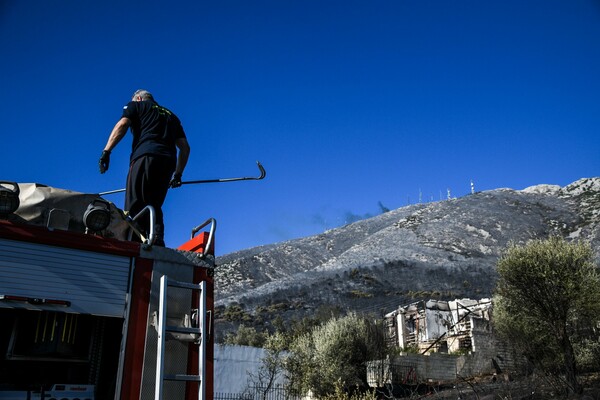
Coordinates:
507	388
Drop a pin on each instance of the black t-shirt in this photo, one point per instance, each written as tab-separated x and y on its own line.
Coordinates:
154	129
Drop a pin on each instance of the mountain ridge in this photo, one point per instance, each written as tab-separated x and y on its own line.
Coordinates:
441	249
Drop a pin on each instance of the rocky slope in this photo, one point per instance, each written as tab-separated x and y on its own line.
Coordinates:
445	250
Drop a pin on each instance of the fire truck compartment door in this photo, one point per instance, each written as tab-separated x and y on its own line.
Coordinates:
42	277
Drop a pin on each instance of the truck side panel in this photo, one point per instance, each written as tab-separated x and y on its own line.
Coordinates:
92	283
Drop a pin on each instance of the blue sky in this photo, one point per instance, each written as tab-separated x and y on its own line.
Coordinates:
351	106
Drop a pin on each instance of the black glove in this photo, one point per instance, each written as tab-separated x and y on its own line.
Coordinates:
104	161
176	180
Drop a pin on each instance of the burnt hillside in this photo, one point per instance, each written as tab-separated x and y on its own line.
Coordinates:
442	250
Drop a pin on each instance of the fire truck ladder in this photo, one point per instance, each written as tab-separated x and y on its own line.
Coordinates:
186	331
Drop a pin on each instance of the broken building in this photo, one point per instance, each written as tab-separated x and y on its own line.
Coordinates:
438	326
442	341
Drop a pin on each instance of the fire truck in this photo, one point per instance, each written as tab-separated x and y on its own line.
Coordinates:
90	308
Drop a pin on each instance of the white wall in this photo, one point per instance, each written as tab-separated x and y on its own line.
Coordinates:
233	365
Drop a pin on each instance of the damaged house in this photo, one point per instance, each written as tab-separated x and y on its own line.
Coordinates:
438	326
441	341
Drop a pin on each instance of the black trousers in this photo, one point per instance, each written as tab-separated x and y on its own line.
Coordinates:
147	184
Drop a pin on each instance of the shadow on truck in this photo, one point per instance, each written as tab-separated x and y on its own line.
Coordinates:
39	349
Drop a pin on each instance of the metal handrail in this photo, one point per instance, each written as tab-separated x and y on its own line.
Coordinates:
151	235
211	232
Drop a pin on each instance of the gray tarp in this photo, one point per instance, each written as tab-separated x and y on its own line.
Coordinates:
62	209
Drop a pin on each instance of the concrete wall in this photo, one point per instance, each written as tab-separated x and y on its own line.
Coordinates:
489	354
412	369
435	367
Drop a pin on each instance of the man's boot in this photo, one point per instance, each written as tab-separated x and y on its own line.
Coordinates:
159	235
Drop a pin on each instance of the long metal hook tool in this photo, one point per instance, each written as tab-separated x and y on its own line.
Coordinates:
263	173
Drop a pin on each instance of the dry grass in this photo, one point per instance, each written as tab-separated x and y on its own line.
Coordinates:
507	388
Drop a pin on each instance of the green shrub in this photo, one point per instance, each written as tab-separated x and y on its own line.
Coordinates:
335	351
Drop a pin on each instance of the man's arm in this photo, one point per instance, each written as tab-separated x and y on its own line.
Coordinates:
182	159
184	153
117	133
115	137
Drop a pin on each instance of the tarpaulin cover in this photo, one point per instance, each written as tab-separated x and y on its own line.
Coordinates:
62	209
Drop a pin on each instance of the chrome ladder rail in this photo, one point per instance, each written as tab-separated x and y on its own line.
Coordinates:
162	328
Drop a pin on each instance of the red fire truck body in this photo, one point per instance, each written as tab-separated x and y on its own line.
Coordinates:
129	320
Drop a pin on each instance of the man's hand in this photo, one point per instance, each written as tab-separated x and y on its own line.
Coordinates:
175	181
104	161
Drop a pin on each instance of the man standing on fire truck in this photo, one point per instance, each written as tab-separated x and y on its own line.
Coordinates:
154	163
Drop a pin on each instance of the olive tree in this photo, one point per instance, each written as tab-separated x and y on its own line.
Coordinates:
336	351
547	295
